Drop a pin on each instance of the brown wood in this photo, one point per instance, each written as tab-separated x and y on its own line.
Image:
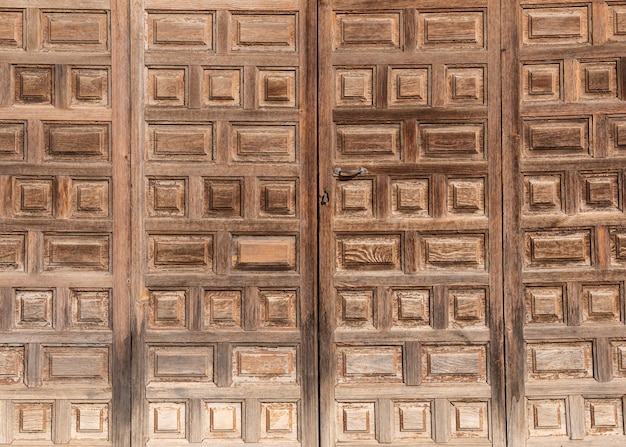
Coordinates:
411	325
563	190
64	151
169	223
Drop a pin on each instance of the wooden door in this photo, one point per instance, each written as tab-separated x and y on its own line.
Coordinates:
411	281
564	221
224	215
64	229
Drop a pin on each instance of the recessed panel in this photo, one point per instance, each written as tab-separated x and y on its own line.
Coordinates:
264	364
222	87
168	309
167	420
75	364
369	141
75	31
223	420
561	25
355	309
411	308
277	88
33	197
412	420
278	197
12	29
90	309
90	422
469	419
409	86
180	30
369	364
264	32
559	361
410	197
618	247
557	138
180	363
545	304
356	421
90	87
558	249
222	309
33	309
604	417
453	141
12	140
453	252
541	82
12	364
451	30
76	142
267	143
180	142
465	85
467	308
598	80
279	421
543	194
369	252
454	363
32	421
354	87
12	252
166	87
269	253
278	308
166	197
547	417
77	252
601	303
466	196
180	252
355	198
33	85
90	198
368	31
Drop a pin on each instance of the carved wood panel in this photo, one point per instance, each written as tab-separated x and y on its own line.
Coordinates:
225	223
565	216
411	321
64	302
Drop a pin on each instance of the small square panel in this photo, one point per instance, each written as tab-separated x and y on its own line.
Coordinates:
616	19
541	82
222	198
12	140
166	197
34	85
354	87
279	420
12	30
412	420
411	308
223	420
467	307
90	87
278	197
355	308
90	422
466	196
355	198
12	252
469	420
465	85
167	420
278	308
601	303
542	194
408	86
166	87
222	308
168	309
12	365
90	309
544	304
277	88
356	421
222	87
33	309
410	198
547	417
90	198
33	197
604	417
598	80
600	192
32	421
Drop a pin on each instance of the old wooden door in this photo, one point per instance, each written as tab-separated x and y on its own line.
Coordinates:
181	183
